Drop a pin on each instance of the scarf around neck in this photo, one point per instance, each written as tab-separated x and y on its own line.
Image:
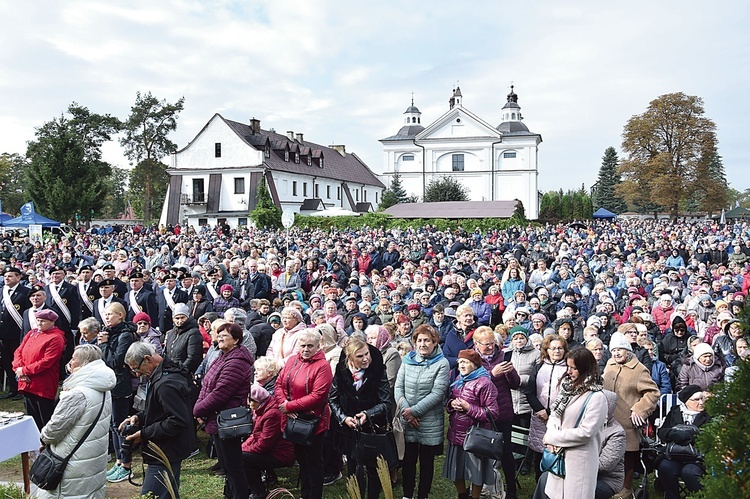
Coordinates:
477	373
568	391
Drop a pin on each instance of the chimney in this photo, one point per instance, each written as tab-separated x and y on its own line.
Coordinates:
340	148
299	138
290	135
254	126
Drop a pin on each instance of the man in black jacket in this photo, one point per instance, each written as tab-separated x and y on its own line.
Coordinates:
14	300
166	421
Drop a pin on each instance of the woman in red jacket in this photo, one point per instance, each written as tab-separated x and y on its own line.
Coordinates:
264	449
36	363
302	387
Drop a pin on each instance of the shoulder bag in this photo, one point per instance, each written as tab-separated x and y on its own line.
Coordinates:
398	432
48	468
299	430
485	442
373	444
554	462
236	422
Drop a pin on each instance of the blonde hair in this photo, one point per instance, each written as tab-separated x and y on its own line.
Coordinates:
484	332
267	364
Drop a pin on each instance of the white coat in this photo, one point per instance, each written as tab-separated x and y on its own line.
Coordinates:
79	405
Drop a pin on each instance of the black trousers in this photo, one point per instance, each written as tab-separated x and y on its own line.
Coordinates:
365	475
310	459
41	409
426	456
670	473
508	463
230	457
7	349
254	465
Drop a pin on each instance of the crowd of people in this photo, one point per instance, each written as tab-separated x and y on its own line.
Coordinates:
574	332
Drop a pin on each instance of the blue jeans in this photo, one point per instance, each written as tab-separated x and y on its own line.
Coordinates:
153	480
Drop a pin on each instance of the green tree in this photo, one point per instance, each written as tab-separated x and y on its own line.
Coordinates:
266	214
604	194
445	189
145	143
394	194
736	197
713	195
116	200
12	177
65	174
665	145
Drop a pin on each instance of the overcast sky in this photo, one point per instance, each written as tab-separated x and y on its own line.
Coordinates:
343	72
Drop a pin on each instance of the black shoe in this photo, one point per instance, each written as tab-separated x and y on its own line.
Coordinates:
18	397
328	480
524	471
215	467
10	395
220	472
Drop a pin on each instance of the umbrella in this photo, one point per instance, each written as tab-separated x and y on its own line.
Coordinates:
334	212
723	219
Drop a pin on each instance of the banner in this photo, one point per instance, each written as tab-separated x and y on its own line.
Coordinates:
35	233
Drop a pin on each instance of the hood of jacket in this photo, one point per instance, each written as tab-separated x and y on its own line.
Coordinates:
95	375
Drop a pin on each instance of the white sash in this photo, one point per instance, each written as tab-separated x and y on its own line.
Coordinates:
102	307
133	302
85	296
11	308
60	303
212	289
32	318
169	299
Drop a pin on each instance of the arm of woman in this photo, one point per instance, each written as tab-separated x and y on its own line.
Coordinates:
594	416
212	401
51	354
392	365
385	400
399	389
67	412
320	386
649	392
487	399
530	391
334	400
437	393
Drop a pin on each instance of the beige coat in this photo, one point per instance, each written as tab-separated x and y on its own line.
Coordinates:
581	446
636	391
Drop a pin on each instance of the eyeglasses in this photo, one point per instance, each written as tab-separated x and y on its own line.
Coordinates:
136	371
143	323
697	398
489	343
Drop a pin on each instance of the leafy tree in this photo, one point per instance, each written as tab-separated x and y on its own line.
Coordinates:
713	195
116	200
605	195
65	174
736	197
665	146
146	142
12	176
445	189
266	214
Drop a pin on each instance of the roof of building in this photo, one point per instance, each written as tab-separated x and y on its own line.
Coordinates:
412	109
312	204
406	133
348	167
454	209
513	127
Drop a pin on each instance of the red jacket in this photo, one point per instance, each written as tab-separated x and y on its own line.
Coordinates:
39	355
266	436
305	384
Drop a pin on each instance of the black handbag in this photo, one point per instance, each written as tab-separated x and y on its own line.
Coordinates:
301	430
48	468
485	442
686	453
370	445
236	422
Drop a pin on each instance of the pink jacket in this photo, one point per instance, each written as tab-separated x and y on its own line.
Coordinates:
479	393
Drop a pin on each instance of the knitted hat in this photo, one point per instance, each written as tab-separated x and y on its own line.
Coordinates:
258	393
47	315
539	317
413	306
687	392
724	316
472	356
619	341
181	309
275	317
701	349
227	287
519	330
142	316
476	291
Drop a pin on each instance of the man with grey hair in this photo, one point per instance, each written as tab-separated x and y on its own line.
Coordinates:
166	420
89	330
239	317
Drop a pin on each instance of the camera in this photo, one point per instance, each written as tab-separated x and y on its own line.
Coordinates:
127	430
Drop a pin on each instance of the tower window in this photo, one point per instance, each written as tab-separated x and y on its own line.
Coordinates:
217	150
267	152
458	162
509	155
407	157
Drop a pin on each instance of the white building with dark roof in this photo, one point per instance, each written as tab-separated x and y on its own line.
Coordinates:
214	178
495	163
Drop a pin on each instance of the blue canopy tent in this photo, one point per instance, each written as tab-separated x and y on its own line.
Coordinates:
604	213
30	217
4	217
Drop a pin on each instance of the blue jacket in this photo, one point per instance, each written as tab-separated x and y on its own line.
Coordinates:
444	329
661	377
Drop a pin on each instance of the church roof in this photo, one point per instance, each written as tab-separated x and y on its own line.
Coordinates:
412	109
407	132
513	128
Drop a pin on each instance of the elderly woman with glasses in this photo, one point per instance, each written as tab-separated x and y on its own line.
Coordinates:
541	391
284	343
302	388
681	427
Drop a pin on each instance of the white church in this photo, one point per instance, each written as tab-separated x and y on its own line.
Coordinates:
495	163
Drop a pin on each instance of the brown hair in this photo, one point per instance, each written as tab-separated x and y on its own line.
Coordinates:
425	329
233	329
546	343
586	364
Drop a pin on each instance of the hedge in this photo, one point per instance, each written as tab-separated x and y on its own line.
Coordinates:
378	220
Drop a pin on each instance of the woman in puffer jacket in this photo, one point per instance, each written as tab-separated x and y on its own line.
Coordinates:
80	401
703	369
612	454
472	400
420	390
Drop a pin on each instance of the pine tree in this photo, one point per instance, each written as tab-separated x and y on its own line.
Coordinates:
605	195
445	189
266	214
395	194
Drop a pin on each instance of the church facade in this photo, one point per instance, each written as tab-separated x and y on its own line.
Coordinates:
494	163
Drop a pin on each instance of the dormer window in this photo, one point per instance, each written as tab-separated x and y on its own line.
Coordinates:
286	156
321	161
296	157
267	152
309	160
